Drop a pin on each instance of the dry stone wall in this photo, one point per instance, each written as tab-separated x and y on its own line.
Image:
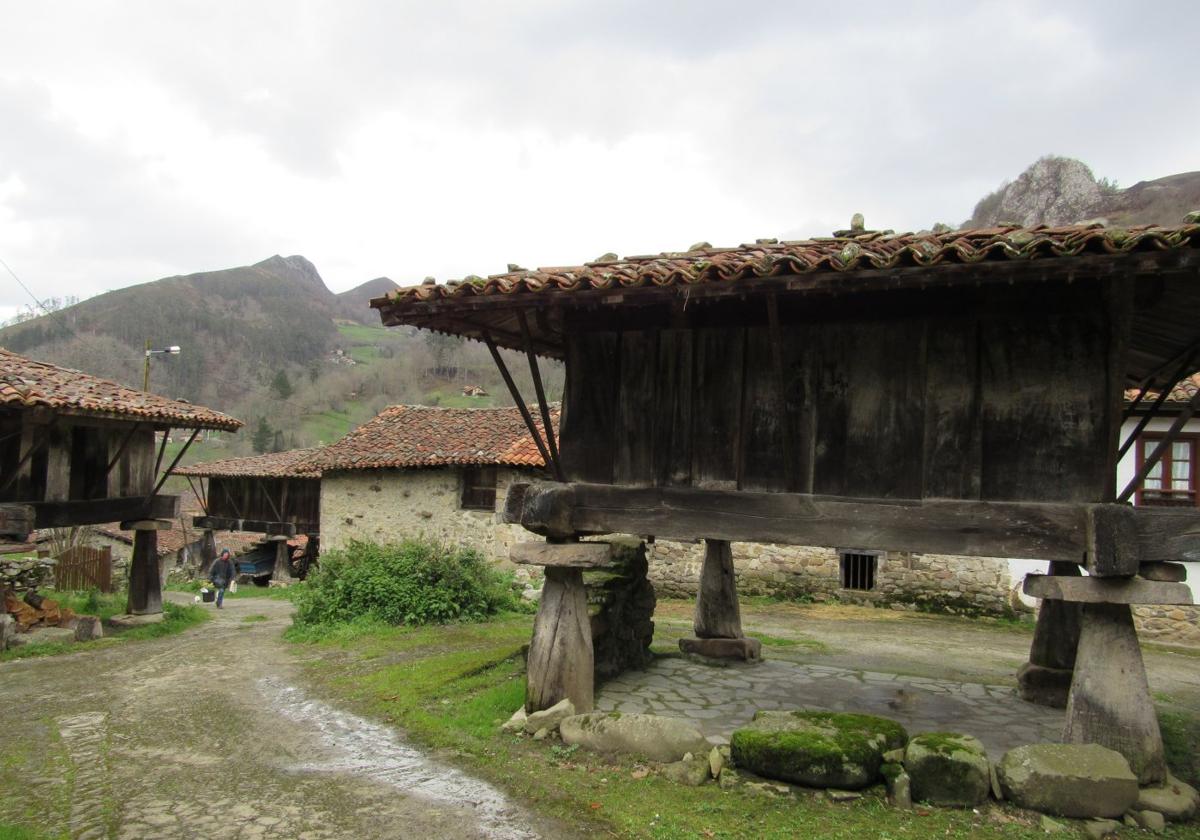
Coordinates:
384	506
1169	625
22	573
966	585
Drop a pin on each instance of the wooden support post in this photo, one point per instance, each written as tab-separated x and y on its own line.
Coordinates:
208	552
282	572
1110	701
561	660
145	577
1046	678
718	620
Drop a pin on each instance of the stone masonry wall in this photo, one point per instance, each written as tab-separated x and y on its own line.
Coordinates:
22	573
388	505
1169	625
956	584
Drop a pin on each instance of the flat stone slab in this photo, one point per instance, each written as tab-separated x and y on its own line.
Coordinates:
581	555
1168	572
1068	780
745	650
42	635
135	620
1094	590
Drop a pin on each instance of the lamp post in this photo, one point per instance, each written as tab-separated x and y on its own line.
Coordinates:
173	350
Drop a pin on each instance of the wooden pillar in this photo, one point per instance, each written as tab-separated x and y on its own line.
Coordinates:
1046	678
208	552
718	619
145	579
561	660
1110	701
282	572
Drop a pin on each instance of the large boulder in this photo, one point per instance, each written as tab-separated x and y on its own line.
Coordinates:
818	749
656	738
1175	800
1070	780
948	769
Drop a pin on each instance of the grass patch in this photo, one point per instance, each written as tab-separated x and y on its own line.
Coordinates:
251	619
811	645
176	619
1181	743
450	687
16	832
248	590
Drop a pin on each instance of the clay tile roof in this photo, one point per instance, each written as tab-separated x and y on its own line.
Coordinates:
291	464
25	383
417	436
847	251
1181	393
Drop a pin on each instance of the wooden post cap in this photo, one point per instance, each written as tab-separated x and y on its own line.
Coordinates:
1093	590
580	555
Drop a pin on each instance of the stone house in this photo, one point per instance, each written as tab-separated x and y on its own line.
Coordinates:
438	473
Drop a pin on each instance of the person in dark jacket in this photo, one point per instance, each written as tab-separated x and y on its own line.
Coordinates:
221	575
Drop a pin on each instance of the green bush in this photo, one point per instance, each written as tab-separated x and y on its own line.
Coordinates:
413	582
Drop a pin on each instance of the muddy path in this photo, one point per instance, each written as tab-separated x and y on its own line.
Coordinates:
212	734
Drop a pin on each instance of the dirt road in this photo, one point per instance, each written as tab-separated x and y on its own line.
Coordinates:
211	734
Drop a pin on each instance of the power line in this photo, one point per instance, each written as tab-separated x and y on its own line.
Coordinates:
42	306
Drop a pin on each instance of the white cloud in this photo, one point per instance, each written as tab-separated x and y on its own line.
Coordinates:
146	138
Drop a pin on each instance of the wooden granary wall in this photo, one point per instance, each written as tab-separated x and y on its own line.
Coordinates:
976	393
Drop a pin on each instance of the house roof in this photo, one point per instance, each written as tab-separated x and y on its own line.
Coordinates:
25	383
291	464
418	436
849	262
1181	393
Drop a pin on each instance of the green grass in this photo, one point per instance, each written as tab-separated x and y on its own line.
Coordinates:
250	619
16	832
245	590
176	619
1181	743
457	400
328	426
364	334
451	687
811	645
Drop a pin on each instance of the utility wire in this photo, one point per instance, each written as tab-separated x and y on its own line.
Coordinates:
50	312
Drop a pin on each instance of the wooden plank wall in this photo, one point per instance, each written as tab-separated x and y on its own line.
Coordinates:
1011	404
297	499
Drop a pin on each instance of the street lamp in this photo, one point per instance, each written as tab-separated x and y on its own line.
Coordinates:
173	350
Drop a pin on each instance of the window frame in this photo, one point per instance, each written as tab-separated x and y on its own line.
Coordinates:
470	484
874	563
1145	446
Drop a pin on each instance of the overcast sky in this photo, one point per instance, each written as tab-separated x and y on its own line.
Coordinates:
144	139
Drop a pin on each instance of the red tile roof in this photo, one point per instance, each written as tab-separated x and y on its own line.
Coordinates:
845	252
291	464
26	383
417	436
1181	393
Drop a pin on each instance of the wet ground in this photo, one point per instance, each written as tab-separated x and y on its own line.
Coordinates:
210	734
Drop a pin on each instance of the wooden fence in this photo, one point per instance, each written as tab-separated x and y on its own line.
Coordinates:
83	567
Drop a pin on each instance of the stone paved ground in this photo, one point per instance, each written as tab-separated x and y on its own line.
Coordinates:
720	699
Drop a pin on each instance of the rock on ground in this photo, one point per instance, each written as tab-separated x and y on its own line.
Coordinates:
817	749
657	738
691	770
899	785
1175	800
549	719
88	628
1070	780
516	723
1099	829
948	769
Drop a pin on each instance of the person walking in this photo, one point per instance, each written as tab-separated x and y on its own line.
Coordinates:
221	575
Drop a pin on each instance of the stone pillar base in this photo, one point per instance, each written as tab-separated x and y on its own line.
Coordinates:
1044	686
746	650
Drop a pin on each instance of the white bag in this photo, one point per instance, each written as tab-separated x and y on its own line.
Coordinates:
233	588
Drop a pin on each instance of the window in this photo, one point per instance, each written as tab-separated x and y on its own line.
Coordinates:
858	569
1172	481
479	488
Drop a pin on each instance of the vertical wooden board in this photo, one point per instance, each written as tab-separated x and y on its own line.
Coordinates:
800	361
871	435
636	409
58	463
673	408
1045	405
765	418
137	464
953	443
717	407
587	439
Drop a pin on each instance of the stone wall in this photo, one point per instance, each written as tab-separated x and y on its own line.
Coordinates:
384	506
621	605
1168	625
22	573
967	585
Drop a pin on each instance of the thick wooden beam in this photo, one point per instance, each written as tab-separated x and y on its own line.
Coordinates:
1090	590
573	555
258	526
16	520
99	511
1107	540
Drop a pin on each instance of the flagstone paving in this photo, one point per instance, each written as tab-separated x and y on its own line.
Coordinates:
719	699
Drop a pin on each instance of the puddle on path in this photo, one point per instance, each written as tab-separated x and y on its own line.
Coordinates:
369	750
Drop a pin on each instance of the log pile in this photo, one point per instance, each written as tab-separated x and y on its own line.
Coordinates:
37	611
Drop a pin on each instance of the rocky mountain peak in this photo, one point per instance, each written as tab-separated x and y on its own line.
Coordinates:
1053	191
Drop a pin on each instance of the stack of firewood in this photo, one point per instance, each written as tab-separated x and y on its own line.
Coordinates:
36	611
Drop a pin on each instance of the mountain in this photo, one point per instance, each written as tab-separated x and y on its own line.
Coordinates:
355	304
236	327
1062	191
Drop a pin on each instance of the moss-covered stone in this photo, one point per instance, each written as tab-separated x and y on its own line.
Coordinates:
818	749
948	769
1068	780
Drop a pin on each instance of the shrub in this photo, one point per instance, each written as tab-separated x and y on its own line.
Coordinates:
412	582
